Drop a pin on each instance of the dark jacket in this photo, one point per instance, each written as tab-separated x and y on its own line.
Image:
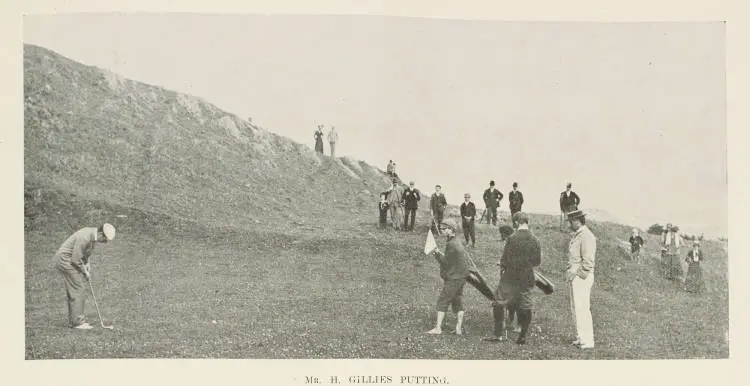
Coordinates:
521	254
516	200
468	210
492	197
569	203
411	197
636	242
453	263
438	203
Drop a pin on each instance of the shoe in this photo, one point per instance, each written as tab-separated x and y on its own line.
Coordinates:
585	346
576	342
495	339
521	341
83	326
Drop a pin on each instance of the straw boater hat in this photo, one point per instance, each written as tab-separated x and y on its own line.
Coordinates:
576	214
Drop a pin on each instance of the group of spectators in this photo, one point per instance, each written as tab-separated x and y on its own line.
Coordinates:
671	258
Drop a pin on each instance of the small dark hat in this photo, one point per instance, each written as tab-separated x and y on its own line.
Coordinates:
492	183
569	185
515	184
506	231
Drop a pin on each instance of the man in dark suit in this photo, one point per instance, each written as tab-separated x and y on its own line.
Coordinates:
522	253
569	202
515	197
468	212
492	198
438	204
411	197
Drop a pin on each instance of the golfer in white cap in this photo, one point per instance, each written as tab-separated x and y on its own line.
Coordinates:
72	260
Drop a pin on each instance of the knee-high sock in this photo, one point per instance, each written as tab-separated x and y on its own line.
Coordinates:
524	317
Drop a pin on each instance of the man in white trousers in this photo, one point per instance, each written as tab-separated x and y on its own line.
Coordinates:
333	137
580	276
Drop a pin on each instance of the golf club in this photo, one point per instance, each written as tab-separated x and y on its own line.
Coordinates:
101	321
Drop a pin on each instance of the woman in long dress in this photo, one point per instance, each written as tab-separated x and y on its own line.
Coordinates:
694	278
319	140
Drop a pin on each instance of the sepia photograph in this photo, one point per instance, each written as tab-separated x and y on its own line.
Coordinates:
340	186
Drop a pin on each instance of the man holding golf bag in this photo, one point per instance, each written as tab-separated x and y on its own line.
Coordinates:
521	254
72	261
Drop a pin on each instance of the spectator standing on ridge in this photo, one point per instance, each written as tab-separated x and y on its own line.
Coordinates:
569	202
694	278
468	213
453	271
394	203
72	261
580	276
391	169
333	137
515	198
636	243
492	198
319	139
411	199
438	204
672	261
383	209
521	254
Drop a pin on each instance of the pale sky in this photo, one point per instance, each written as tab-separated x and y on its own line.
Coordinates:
634	114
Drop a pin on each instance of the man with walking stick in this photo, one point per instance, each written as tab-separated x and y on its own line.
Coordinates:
72	261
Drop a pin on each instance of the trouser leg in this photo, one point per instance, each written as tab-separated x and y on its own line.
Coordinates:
582	305
75	294
498	314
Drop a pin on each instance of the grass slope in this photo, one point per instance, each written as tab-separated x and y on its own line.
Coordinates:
347	291
220	220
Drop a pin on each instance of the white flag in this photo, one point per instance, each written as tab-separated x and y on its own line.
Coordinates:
430	244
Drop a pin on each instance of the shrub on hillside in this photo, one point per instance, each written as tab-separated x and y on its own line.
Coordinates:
656	229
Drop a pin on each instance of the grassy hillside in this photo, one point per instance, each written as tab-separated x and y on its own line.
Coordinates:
280	247
97	135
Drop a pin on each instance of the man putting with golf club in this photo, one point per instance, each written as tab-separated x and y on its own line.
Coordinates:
72	261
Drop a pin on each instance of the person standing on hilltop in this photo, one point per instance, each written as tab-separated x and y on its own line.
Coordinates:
521	254
694	278
492	198
319	139
569	202
580	275
438	204
411	199
389	169
672	262
636	243
333	137
453	271
72	261
468	213
515	198
394	203
383	209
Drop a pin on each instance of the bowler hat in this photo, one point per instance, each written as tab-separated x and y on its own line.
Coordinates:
515	184
492	183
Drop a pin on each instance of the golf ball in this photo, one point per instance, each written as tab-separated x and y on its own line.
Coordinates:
213	321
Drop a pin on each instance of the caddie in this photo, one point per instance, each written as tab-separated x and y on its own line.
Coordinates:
453	271
72	260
